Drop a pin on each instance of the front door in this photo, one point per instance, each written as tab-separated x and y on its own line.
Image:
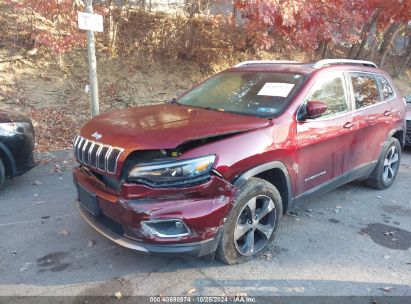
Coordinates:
323	143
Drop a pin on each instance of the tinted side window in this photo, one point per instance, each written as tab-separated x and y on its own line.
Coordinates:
386	89
331	91
365	89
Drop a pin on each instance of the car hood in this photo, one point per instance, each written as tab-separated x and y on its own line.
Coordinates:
165	126
12	117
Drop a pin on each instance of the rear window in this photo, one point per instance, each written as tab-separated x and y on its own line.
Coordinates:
253	93
387	92
366	92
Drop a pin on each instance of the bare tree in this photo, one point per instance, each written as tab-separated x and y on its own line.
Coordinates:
408	56
388	40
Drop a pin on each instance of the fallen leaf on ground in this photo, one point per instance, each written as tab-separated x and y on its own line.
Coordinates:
389	233
36	183
25	267
379	196
191	291
387	289
41	203
63	232
309	210
91	243
267	255
387	256
118	295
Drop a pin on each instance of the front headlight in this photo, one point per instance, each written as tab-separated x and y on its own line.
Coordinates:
173	173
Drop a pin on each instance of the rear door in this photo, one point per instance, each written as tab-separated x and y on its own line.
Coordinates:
370	94
324	143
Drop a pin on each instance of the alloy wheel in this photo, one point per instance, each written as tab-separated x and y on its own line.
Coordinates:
390	165
255	224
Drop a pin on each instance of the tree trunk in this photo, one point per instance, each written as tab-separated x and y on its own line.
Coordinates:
352	51
407	61
388	40
374	47
110	32
366	31
408	58
325	48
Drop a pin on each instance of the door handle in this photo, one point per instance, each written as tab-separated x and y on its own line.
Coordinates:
387	113
348	125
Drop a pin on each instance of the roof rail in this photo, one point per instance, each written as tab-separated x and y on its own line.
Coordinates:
325	62
250	62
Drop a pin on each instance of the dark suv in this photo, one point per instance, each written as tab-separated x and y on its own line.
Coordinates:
16	145
215	169
408	119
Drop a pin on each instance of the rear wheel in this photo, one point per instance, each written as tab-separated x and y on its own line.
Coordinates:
387	167
2	173
252	223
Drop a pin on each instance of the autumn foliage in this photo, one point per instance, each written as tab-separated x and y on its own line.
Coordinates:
311	26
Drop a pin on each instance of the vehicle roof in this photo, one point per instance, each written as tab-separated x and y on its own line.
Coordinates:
302	68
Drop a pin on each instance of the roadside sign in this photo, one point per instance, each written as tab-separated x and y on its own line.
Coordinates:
90	22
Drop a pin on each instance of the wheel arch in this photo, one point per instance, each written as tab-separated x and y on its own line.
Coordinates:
8	160
399	134
275	173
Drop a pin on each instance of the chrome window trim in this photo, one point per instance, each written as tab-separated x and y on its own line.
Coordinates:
337	115
378	103
349	85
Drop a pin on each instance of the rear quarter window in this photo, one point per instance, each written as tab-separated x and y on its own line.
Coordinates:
365	89
387	92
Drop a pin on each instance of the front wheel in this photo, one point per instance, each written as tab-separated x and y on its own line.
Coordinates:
387	166
252	223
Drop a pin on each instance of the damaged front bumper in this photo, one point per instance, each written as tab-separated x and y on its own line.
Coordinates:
129	216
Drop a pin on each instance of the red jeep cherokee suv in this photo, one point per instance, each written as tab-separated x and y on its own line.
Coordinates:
215	169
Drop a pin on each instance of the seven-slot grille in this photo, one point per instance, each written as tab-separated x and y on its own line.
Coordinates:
96	155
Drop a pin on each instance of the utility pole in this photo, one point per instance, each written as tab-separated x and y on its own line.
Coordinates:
92	66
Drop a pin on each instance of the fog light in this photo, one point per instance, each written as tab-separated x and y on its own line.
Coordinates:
170	228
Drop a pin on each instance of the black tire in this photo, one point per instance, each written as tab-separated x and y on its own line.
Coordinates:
384	173
2	173
229	249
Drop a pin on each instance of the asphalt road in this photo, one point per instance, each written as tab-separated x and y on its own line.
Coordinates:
351	241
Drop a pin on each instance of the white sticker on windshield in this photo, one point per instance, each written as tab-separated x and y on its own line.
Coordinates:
279	89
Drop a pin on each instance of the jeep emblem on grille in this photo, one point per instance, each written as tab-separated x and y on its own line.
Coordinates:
96	135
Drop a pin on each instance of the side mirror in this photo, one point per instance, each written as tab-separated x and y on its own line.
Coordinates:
315	108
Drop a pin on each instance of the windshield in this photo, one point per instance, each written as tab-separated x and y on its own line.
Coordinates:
253	93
